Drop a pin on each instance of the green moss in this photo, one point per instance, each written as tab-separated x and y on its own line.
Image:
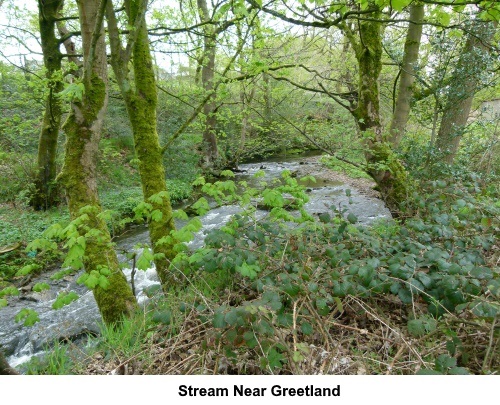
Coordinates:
46	192
391	177
141	108
79	177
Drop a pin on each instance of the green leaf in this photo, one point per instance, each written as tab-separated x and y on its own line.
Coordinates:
200	181
218	321
273	198
164	317
156	215
103	282
459	371
421	326
27	270
443	18
180	214
64	298
399	5
3	302
73	92
201	207
405	296
325	218
39	287
338	302
275	358
9	291
444	362
29	317
248	270
227	173
352	218
486	222
306	328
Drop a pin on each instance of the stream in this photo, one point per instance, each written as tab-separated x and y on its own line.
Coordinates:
81	317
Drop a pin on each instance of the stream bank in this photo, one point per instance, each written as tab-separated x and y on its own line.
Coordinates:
80	317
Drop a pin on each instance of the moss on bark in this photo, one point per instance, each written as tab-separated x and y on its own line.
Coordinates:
46	194
392	179
382	164
141	107
79	176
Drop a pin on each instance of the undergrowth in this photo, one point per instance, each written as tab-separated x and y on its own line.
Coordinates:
264	296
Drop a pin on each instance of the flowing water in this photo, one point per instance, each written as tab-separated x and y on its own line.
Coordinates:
81	317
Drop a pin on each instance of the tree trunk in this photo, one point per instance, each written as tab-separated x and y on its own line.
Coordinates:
79	174
465	82
45	194
267	119
382	164
141	100
211	153
405	90
5	368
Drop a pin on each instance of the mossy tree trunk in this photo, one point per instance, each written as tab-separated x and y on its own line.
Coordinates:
210	150
382	164
407	77
139	93
45	194
464	83
5	368
79	173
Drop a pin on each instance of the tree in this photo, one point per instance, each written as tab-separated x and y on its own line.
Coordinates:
139	94
407	73
365	37
83	130
382	164
212	28
45	194
211	153
464	83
